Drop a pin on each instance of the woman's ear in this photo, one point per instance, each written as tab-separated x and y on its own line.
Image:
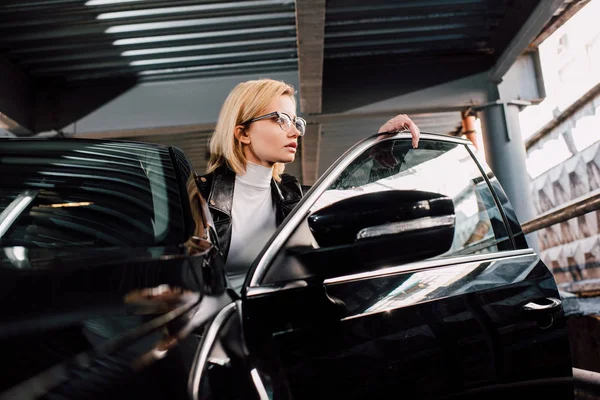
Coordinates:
241	134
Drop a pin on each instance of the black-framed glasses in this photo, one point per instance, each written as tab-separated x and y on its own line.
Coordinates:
284	121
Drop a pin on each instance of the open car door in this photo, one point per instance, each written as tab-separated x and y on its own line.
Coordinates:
403	273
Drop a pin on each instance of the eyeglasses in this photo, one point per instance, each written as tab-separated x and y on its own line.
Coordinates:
284	121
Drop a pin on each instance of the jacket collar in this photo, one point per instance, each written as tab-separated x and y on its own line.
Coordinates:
221	191
276	191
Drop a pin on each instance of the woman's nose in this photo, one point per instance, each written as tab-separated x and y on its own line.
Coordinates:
294	132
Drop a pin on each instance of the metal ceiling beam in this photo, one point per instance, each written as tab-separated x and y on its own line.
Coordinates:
529	30
360	7
310	33
449	88
428	118
16	99
423	46
390	30
557	21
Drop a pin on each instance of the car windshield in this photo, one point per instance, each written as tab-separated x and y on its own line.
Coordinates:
57	193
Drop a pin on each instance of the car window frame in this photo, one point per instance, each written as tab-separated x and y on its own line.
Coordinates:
485	170
269	252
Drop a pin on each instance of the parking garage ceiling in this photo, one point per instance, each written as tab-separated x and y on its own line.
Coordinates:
74	46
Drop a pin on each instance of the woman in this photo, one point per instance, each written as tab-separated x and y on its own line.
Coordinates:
247	192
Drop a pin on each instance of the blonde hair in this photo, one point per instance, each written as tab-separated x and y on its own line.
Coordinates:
246	101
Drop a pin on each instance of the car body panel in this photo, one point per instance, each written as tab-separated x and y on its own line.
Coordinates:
412	332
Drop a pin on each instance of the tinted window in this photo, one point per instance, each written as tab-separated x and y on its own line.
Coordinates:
441	167
84	193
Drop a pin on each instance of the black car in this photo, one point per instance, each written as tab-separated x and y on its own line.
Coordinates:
403	273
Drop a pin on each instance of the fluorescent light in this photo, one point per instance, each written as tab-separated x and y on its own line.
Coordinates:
160	50
201	35
197	22
188	9
200	68
105	2
207	57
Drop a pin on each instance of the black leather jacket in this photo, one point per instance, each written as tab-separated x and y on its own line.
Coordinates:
217	188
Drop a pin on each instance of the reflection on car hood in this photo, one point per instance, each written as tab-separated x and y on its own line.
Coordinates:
73	284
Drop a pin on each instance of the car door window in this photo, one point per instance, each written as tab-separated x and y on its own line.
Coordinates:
442	167
88	194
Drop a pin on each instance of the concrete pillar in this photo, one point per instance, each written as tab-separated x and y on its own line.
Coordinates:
506	155
310	145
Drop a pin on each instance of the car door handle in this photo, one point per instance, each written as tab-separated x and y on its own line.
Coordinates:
552	306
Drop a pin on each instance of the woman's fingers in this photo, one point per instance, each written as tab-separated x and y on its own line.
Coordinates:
401	122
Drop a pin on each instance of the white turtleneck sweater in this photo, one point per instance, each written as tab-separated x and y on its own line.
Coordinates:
253	221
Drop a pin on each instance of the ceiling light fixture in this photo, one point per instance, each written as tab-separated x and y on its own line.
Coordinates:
209	46
203	35
207	57
198	22
190	9
200	68
106	2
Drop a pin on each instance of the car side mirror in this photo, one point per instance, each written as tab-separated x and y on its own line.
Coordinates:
375	230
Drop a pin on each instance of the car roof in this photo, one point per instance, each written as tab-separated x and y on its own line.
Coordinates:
444	136
83	140
427	135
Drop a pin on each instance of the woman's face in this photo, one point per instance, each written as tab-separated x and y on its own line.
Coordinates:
265	143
